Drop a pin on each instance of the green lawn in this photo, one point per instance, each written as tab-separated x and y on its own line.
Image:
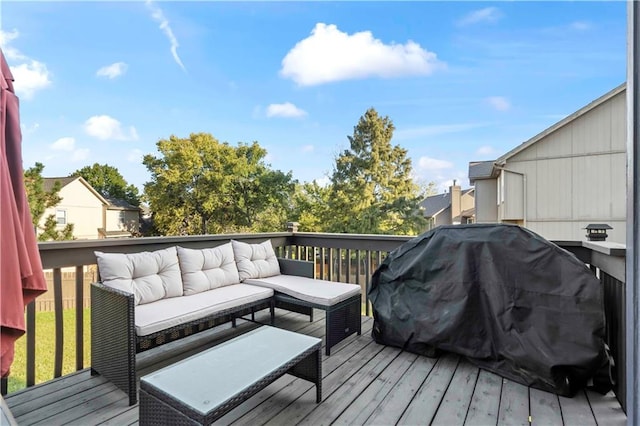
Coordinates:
45	348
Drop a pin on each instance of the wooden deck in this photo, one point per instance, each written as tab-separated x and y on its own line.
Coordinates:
364	383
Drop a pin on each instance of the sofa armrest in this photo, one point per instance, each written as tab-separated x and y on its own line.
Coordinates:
299	268
113	337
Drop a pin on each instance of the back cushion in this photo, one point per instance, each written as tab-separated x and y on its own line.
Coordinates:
150	276
207	269
255	260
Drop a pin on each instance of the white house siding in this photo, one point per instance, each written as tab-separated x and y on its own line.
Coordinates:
574	176
130	222
444	218
84	210
486	201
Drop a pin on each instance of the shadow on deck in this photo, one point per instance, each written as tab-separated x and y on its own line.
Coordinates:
364	383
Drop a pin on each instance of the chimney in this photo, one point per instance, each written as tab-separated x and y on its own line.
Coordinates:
456	203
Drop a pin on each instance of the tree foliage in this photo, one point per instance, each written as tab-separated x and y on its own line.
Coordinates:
200	185
311	210
108	181
39	201
372	190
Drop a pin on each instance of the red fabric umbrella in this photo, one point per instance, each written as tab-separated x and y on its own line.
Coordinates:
21	275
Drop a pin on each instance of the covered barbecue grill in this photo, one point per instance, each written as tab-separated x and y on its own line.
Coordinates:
500	295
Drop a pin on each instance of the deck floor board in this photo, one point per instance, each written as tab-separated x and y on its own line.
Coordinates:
363	383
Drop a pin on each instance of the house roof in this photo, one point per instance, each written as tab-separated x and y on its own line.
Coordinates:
118	204
435	204
486	169
481	170
48	183
64	181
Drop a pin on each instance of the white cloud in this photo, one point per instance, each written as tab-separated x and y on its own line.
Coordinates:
329	55
286	110
500	103
308	148
432	164
580	25
135	156
64	144
435	130
26	129
112	71
488	14
80	155
485	150
105	127
158	15
30	75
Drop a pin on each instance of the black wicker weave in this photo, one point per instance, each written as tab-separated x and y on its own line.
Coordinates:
114	342
160	408
341	321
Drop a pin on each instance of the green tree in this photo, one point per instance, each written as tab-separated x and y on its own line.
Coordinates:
311	207
200	185
108	181
39	201
372	188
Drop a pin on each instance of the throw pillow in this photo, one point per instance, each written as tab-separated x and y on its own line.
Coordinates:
150	276
207	269
255	260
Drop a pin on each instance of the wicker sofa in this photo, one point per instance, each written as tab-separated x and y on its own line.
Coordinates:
148	299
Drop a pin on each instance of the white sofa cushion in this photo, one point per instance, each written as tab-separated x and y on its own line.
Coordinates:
255	260
150	276
207	269
176	311
320	292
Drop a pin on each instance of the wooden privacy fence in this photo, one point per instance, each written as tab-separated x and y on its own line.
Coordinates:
45	302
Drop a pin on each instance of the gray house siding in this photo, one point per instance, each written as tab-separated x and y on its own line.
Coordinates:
567	177
486	201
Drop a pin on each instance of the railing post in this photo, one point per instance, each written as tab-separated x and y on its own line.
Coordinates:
633	215
79	318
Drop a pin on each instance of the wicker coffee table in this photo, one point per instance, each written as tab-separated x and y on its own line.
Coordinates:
206	386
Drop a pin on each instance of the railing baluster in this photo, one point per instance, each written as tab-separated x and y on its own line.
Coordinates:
368	283
31	344
331	269
339	265
322	262
358	280
348	266
57	297
79	317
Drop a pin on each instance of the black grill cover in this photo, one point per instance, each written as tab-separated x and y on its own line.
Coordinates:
504	297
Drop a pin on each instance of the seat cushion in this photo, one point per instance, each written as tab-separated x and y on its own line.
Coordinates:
206	269
319	292
166	313
150	276
255	260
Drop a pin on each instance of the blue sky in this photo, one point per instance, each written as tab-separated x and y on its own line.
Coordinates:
462	81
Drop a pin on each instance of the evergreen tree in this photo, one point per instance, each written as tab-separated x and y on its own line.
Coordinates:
372	190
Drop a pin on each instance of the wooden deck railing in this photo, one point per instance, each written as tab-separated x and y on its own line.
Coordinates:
338	257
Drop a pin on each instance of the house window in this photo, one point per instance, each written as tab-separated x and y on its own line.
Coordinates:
61	217
121	219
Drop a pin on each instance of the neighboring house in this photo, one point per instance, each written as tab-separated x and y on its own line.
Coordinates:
568	176
451	208
92	215
122	219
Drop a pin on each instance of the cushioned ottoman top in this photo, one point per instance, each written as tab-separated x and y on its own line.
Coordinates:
320	292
